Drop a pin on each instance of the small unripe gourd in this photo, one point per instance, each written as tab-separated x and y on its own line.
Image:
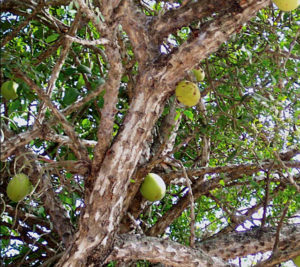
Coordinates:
9	90
297	261
19	187
287	5
199	74
187	93
153	187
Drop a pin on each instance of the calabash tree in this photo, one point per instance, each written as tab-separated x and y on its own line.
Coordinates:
96	112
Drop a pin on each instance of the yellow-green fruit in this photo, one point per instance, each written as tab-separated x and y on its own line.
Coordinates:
18	187
153	187
199	74
287	5
9	90
297	261
187	93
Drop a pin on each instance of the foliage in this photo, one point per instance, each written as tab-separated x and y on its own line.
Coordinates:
250	114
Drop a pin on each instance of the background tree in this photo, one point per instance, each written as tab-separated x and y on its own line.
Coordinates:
96	112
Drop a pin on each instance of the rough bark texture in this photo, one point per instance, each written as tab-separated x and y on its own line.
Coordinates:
228	247
240	244
164	251
105	203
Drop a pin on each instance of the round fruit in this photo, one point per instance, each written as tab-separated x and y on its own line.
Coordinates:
297	261
153	187
287	5
18	187
9	90
199	74
187	93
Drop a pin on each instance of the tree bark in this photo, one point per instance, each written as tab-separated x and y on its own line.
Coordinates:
163	251
230	246
105	203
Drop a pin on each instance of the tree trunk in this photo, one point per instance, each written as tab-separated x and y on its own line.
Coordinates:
105	204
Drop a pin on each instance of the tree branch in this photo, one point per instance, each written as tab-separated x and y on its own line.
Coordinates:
16	30
11	144
247	216
109	110
66	45
63	139
233	169
163	143
230	246
134	23
280	257
279	227
240	244
174	19
112	84
209	39
202	187
77	147
131	247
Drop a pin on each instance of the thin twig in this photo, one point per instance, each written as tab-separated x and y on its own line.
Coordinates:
192	203
236	221
57	68
290	177
293	43
10	36
101	41
52	259
280	224
77	146
266	201
137	225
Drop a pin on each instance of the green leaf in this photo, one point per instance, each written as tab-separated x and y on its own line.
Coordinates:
70	96
80	82
221	182
125	79
84	69
178	114
52	38
189	114
86	123
70	71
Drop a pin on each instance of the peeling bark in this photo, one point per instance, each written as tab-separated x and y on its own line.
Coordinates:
163	251
107	197
115	162
105	202
240	244
230	246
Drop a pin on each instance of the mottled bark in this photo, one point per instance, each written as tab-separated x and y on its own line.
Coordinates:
176	18
115	162
227	247
164	251
109	110
10	144
162	144
240	244
100	221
